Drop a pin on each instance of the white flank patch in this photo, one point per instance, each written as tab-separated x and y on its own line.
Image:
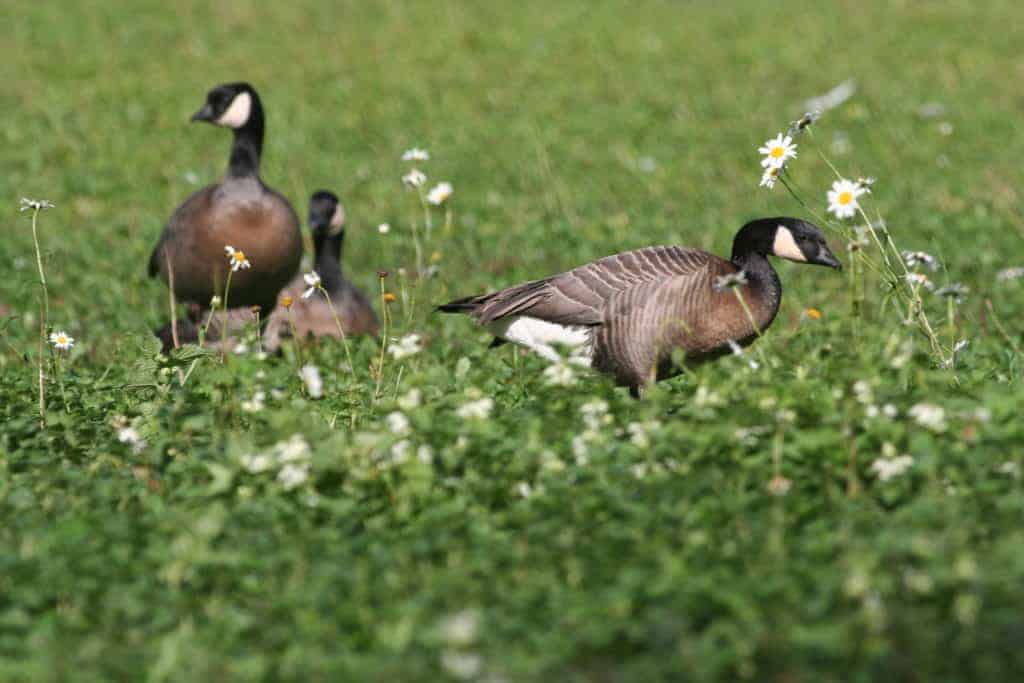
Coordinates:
238	113
540	336
785	246
337	220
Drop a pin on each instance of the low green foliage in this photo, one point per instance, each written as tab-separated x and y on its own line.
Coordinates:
841	508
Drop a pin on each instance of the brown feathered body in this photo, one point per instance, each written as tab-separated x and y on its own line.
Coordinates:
635	308
242	213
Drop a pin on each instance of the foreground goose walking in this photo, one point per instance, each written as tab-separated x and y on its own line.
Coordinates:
239	211
312	315
625	314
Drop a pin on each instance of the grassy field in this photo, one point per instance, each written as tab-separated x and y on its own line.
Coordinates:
738	523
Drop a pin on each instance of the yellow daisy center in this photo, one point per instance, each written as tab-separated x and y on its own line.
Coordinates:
777	151
845	198
61	339
238	256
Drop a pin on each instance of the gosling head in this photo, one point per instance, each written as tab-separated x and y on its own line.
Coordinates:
326	214
231	105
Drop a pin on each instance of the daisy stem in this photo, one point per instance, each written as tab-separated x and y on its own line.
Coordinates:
447	220
58	370
341	331
39	262
750	317
384	338
259	335
297	345
224	317
427	221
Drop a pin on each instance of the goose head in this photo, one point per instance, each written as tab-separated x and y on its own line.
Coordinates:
803	242
231	105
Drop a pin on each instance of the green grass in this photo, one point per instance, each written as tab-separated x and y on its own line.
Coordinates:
632	558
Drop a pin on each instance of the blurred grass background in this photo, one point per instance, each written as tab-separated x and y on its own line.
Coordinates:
570	130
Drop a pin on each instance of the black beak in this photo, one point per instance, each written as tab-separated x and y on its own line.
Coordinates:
204	114
827	258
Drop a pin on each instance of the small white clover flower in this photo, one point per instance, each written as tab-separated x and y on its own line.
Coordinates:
310	375
255	404
130	435
559	375
313	281
777	151
887	468
410	400
398	423
842	198
236	258
406	346
779	485
295	449
34	204
258	463
913	259
215	301
384	228
954	290
62	340
461	665
416	154
730	281
293	475
414	178
929	415
439	194
460	629
475	410
524	489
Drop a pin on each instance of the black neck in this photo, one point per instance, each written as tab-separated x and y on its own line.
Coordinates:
750	250
248	144
327	258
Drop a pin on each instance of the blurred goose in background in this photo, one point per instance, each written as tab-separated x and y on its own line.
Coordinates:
238	212
306	316
625	314
311	314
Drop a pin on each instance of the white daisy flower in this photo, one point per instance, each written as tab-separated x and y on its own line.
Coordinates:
913	259
440	193
475	410
919	280
411	399
313	280
842	198
34	204
414	178
310	375
460	629
62	340
777	151
769	177
236	258
1010	274
384	228
415	154
954	290
406	346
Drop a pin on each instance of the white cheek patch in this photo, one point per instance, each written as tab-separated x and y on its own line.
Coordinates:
785	246
237	114
337	220
540	336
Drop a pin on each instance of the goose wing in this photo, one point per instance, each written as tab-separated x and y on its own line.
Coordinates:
644	323
579	296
